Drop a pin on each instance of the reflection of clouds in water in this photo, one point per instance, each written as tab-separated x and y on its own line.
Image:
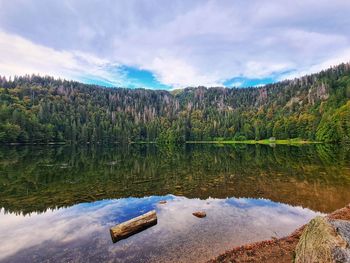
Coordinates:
65	224
229	222
22	232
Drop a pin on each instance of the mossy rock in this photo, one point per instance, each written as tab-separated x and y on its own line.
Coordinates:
324	241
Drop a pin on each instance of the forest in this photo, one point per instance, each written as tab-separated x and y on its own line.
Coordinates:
35	109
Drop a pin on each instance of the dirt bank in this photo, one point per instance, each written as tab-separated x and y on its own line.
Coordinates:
277	250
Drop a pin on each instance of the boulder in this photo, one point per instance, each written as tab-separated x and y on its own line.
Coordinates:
324	240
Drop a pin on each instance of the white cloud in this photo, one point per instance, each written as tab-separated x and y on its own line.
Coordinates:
182	42
20	56
341	57
178	73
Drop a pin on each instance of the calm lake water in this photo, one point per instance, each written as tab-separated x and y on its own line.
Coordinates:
57	203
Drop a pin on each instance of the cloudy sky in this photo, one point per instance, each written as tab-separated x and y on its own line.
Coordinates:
167	44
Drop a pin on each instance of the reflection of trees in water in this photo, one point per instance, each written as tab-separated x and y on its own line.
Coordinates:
37	178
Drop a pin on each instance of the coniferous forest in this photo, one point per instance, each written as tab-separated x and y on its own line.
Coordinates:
36	109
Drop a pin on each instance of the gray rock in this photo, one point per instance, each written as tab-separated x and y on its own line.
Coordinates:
342	227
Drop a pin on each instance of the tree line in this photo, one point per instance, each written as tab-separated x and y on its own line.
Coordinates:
36	109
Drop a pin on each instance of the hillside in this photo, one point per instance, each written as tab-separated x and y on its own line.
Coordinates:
44	109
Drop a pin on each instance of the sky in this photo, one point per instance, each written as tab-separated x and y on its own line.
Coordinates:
170	44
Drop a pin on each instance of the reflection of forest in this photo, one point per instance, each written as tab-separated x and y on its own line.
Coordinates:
38	178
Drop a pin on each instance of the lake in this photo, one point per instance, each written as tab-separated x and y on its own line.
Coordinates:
57	203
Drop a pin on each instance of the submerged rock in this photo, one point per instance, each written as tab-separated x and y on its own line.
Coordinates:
199	214
324	240
162	202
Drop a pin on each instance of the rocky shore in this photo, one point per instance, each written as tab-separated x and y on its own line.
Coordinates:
292	248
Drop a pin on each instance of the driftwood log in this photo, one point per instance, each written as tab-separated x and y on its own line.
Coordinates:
133	226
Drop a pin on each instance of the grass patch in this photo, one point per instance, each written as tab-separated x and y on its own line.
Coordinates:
265	142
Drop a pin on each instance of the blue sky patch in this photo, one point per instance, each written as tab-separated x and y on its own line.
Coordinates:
140	78
127	77
242	82
95	81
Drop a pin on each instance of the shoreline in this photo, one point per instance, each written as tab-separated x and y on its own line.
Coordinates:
274	250
262	142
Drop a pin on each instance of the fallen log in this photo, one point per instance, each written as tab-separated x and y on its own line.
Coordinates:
133	226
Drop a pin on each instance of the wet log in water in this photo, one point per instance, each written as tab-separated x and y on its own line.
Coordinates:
133	226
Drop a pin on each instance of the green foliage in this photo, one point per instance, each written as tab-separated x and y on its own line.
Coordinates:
41	109
9	132
335	127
